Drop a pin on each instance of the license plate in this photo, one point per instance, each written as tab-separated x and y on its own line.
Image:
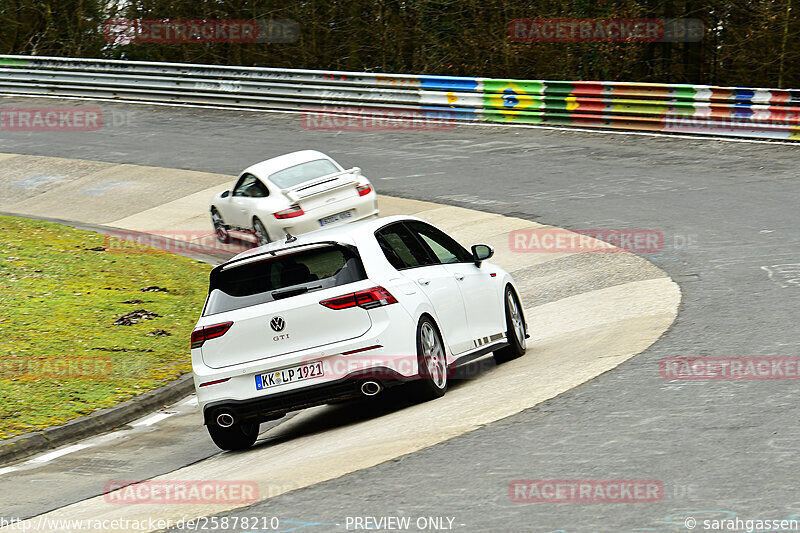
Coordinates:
289	375
335	218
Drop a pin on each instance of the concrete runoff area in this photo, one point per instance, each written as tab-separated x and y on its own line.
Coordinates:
90	191
576	335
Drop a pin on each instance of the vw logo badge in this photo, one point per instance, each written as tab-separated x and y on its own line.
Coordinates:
277	323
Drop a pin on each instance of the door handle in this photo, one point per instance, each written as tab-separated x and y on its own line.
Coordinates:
423	281
459	276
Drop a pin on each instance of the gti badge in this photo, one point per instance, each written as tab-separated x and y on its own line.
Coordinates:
277	323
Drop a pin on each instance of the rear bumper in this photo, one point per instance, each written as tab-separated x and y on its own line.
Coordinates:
276	405
376	355
362	207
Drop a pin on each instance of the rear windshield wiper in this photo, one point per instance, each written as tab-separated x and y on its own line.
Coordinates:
292	291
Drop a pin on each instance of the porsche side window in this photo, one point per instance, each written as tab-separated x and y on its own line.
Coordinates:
401	248
243	185
258	189
237	189
444	247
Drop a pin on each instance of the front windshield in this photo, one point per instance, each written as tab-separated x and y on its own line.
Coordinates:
303	172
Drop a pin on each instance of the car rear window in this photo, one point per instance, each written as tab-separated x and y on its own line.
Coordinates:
303	172
284	276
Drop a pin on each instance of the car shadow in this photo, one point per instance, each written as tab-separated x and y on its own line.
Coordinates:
350	412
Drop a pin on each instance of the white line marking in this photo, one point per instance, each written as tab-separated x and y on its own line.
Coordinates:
47	457
411	176
94	441
152	419
698	137
44	458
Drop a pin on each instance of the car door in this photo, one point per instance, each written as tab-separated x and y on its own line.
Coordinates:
234	211
485	313
244	198
406	253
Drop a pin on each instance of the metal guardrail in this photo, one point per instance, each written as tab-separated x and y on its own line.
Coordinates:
676	108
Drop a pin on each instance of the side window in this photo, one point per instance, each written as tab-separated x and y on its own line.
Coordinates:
258	189
401	248
443	247
243	185
251	187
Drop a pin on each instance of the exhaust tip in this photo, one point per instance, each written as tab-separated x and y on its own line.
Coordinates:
371	388
225	420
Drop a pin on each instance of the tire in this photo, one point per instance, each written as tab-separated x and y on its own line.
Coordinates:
239	436
262	237
516	329
220	229
432	361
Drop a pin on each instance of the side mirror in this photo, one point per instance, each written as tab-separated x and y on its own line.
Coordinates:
481	252
226	194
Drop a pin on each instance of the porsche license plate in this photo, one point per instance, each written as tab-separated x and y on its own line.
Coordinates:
335	218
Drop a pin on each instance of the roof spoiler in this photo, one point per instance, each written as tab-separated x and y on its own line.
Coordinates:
296	192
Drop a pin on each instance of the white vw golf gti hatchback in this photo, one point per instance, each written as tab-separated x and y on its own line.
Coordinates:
346	312
293	193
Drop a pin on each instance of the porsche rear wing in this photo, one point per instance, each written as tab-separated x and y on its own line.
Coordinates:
324	184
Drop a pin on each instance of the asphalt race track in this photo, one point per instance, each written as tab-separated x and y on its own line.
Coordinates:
728	212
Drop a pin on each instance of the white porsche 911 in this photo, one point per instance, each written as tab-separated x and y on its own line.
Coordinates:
293	193
346	312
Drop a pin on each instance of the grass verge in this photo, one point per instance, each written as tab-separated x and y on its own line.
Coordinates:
61	291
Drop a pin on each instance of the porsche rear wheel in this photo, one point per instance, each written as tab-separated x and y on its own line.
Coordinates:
261	232
220	229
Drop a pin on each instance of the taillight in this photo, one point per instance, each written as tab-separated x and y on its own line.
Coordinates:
364	190
201	335
341	302
374	297
368	299
294	211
